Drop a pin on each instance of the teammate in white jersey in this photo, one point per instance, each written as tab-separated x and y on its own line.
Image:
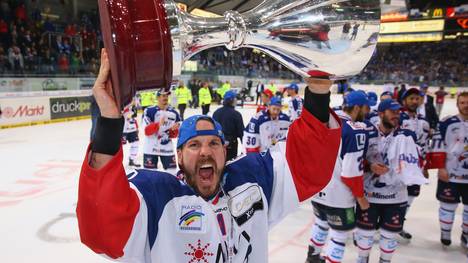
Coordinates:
411	120
161	124
450	155
130	133
394	163
296	102
266	129
219	212
334	205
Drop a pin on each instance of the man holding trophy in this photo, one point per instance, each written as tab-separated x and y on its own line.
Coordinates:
218	211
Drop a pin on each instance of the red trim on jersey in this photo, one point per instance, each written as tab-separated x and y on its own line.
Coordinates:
173	133
152	128
316	243
311	151
253	150
435	160
107	207
355	184
387	251
328	260
447	222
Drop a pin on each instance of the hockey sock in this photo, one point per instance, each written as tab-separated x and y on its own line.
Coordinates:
336	246
319	235
364	241
446	217
388	244
465	221
133	150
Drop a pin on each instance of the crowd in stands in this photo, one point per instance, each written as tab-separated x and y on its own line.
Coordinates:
32	43
437	63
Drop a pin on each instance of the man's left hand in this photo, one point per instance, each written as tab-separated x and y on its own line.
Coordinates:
319	86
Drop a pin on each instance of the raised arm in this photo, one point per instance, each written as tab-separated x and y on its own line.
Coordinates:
111	215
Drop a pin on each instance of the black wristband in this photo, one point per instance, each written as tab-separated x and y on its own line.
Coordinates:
108	135
317	105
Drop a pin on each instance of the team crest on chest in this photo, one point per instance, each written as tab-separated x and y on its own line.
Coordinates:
191	219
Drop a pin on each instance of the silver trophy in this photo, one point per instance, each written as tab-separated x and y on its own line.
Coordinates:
149	40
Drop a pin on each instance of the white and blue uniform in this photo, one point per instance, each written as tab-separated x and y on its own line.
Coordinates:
161	219
373	117
451	148
387	193
420	126
295	107
262	132
347	179
399	153
450	151
334	205
160	142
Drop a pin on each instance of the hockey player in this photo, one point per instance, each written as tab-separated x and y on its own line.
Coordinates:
373	116
161	124
334	205
220	212
130	133
411	120
450	155
296	102
394	163
265	100
266	129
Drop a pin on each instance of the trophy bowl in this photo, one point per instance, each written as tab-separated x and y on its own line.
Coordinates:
149	40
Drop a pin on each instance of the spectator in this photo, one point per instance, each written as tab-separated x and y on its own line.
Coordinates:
3	32
75	63
440	98
16	60
428	110
20	13
63	64
3	61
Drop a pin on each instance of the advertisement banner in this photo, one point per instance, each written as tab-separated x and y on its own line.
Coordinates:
456	28
24	110
432	25
70	107
87	83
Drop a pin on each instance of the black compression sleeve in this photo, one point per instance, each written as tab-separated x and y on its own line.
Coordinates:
317	105
108	135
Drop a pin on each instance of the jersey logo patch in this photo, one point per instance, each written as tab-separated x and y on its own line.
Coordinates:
191	218
244	204
360	141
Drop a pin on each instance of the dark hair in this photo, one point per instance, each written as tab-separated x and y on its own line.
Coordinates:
349	109
462	94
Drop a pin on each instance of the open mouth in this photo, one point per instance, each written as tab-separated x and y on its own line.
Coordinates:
206	172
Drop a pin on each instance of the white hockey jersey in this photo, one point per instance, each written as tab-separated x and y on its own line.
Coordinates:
450	148
420	126
262	132
295	107
347	178
398	151
131	123
160	142
373	117
154	218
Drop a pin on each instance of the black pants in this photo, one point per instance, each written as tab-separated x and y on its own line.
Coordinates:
205	109
231	150
182	108
257	99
